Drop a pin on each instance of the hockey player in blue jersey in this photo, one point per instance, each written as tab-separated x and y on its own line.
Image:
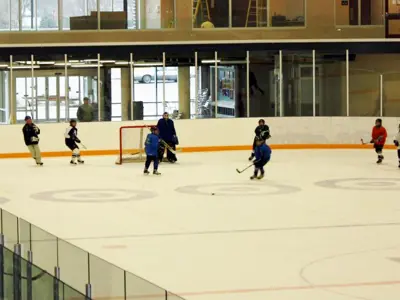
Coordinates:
151	148
263	155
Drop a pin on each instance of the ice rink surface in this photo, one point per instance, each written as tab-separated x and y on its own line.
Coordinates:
323	224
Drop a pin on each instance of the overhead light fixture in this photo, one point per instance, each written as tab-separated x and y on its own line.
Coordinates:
3	66
24	67
147	64
46	62
107	61
125	63
62	64
90	60
74	61
209	61
85	66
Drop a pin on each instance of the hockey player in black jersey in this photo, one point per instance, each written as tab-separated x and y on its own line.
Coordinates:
261	132
71	138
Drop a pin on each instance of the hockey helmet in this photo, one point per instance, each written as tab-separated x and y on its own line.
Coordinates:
261	121
28	118
153	129
378	122
72	121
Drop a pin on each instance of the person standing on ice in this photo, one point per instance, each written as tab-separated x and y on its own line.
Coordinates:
167	131
31	137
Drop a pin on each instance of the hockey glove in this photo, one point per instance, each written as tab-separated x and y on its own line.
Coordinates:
35	139
77	140
396	143
372	141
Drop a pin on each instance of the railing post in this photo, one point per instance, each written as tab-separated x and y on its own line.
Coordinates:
88	291
29	292
166	295
1	266
17	272
56	283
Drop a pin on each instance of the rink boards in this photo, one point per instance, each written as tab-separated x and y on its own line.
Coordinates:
203	135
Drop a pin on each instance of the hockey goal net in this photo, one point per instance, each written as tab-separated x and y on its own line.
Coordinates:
131	143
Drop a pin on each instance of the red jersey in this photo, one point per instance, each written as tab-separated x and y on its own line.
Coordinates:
379	135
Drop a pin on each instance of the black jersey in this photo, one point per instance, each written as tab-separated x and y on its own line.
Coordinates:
31	134
262	131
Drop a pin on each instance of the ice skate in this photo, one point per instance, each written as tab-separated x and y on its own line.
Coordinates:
72	162
155	172
39	164
399	164
380	159
253	177
146	172
80	161
260	176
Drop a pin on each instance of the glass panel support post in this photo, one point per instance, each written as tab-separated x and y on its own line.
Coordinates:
347	84
313	84
1	266
196	76
33	90
381	94
280	85
88	291
247	84
216	84
132	85
66	87
163	83
99	100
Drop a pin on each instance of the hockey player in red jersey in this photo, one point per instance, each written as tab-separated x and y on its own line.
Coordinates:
378	138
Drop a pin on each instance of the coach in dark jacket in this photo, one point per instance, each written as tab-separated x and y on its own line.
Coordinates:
31	137
168	134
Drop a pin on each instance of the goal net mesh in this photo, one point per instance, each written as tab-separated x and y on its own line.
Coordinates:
131	144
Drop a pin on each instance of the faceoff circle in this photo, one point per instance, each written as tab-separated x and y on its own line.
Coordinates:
94	195
238	189
362	184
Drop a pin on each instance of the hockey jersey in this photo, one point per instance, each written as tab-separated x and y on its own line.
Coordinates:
262	131
31	134
151	144
71	134
379	135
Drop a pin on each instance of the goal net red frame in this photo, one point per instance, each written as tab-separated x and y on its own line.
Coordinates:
131	143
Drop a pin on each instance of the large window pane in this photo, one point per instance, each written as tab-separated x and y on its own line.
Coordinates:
14	16
208	14
297	84
390	69
264	83
80	14
47	15
4	96
113	15
253	14
331	84
287	13
145	90
5	10
364	85
361	12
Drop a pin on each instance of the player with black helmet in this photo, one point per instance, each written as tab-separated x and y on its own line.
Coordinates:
71	138
261	132
397	143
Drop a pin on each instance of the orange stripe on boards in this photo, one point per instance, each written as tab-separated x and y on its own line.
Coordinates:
259	290
204	149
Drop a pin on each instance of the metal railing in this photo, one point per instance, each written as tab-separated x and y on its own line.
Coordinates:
85	272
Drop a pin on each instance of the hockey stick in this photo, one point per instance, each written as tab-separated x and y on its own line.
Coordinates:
241	171
363	143
83	146
169	147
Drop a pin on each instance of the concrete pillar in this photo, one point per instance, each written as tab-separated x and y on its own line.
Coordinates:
125	93
184	91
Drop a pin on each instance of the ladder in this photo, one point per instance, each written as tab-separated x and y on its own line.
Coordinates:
200	7
257	15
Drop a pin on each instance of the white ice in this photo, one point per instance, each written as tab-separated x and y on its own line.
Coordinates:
244	242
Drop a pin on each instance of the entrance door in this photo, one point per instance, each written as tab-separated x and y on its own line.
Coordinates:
392	13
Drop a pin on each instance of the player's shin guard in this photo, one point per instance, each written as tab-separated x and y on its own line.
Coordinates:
75	155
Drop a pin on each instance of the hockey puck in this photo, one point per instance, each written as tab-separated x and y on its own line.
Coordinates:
212	194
